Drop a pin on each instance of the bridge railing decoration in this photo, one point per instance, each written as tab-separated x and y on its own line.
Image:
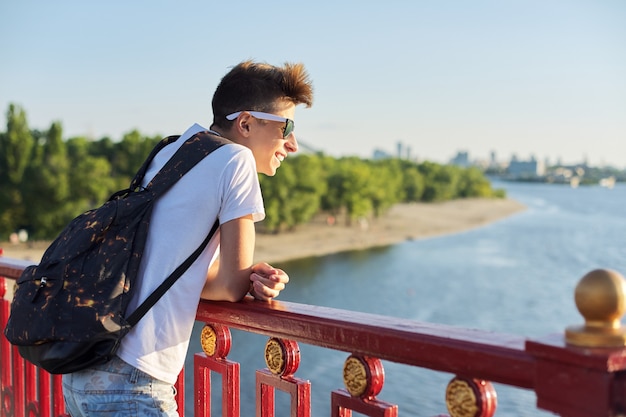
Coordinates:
578	373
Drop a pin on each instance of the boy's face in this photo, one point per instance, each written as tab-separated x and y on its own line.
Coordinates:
266	140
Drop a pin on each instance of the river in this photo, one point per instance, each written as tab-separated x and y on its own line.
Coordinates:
514	276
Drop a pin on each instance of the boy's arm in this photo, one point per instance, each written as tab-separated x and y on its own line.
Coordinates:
229	277
232	275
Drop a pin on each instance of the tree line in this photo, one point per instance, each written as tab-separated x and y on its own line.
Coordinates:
47	181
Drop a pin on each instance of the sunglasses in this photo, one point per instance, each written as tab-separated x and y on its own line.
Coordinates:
287	129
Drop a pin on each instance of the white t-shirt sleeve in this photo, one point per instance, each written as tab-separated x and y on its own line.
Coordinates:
240	188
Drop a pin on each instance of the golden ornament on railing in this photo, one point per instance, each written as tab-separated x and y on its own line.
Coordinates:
282	356
460	399
601	299
363	376
274	357
215	340
470	398
355	376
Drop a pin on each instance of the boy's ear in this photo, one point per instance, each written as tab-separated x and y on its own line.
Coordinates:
243	124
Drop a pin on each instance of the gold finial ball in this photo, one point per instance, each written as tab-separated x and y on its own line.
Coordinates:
601	298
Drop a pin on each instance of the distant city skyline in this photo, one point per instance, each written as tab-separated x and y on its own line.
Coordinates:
518	77
406	152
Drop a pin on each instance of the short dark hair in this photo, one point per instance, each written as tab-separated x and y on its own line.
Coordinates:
258	86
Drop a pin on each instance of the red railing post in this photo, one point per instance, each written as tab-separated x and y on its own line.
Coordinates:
282	357
298	389
19	398
45	393
180	393
216	342
33	406
58	403
579	382
583	372
7	394
364	378
342	404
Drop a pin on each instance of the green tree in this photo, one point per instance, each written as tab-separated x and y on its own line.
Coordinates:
311	184
348	186
16	146
292	196
473	183
91	182
104	147
128	155
277	198
47	187
412	183
385	186
440	181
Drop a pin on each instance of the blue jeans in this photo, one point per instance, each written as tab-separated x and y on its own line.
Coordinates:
117	389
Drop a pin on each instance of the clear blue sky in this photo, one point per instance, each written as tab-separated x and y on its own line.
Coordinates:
534	77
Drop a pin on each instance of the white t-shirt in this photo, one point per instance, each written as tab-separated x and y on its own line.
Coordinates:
223	185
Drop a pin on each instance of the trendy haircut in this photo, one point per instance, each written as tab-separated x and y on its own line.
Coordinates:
258	86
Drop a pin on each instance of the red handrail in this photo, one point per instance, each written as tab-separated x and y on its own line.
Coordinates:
481	354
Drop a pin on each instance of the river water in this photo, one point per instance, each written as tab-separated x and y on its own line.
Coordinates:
515	276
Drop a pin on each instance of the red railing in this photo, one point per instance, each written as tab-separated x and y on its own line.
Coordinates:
580	373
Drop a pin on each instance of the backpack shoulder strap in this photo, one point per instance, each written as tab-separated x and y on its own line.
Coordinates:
136	182
186	157
152	299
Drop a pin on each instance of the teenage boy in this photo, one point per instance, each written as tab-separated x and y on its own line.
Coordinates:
253	107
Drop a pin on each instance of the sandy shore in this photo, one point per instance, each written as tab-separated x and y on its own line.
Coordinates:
402	222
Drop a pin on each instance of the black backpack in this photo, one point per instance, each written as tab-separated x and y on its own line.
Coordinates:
69	312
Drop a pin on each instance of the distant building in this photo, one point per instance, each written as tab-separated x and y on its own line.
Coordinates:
380	154
403	151
408	155
461	159
525	169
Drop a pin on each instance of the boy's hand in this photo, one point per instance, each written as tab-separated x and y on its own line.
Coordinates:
266	282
